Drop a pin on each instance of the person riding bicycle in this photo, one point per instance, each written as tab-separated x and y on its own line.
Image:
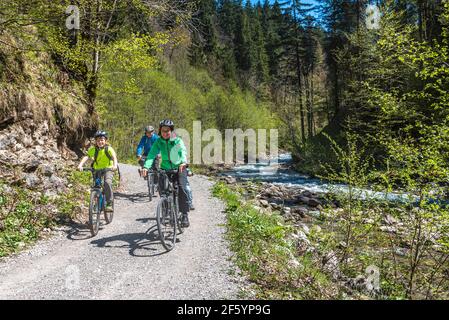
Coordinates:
104	157
174	156
147	140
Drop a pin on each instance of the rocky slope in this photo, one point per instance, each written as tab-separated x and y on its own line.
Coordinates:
43	119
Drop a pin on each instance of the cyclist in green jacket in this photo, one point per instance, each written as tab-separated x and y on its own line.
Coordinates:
174	156
103	157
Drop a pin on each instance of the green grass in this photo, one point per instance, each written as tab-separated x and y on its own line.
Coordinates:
264	253
24	214
20	219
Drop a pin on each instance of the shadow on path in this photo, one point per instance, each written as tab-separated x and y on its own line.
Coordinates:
146	244
133	197
81	231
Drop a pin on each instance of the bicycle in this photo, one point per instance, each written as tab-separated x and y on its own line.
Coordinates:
168	217
151	178
97	203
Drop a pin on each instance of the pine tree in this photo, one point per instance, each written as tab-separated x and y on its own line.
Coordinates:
204	34
242	41
272	24
260	58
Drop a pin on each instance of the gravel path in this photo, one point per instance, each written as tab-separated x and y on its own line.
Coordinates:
126	260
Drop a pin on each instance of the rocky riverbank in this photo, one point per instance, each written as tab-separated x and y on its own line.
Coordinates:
305	212
294	203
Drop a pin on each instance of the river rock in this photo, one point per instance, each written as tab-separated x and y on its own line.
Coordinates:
314	213
307	193
264	203
314	202
303	199
230	180
275	205
301	211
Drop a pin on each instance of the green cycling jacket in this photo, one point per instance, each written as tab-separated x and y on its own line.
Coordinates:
173	153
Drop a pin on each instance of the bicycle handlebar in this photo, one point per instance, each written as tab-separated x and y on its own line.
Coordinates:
94	170
166	171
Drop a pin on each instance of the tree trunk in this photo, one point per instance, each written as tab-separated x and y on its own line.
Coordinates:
420	20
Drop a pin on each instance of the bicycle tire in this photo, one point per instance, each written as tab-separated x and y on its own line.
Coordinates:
108	216
164	217
152	186
178	215
150	183
94	212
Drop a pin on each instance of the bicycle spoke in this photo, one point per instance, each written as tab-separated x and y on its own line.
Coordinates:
166	222
94	212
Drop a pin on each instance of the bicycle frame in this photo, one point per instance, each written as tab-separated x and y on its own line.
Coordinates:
98	195
172	187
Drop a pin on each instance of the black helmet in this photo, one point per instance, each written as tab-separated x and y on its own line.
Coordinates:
167	123
101	133
149	129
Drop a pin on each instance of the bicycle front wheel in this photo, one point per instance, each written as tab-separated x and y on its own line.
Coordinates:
109	215
166	223
94	212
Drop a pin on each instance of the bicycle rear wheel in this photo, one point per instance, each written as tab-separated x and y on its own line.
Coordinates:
94	212
150	182
178	215
166	223
153	184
